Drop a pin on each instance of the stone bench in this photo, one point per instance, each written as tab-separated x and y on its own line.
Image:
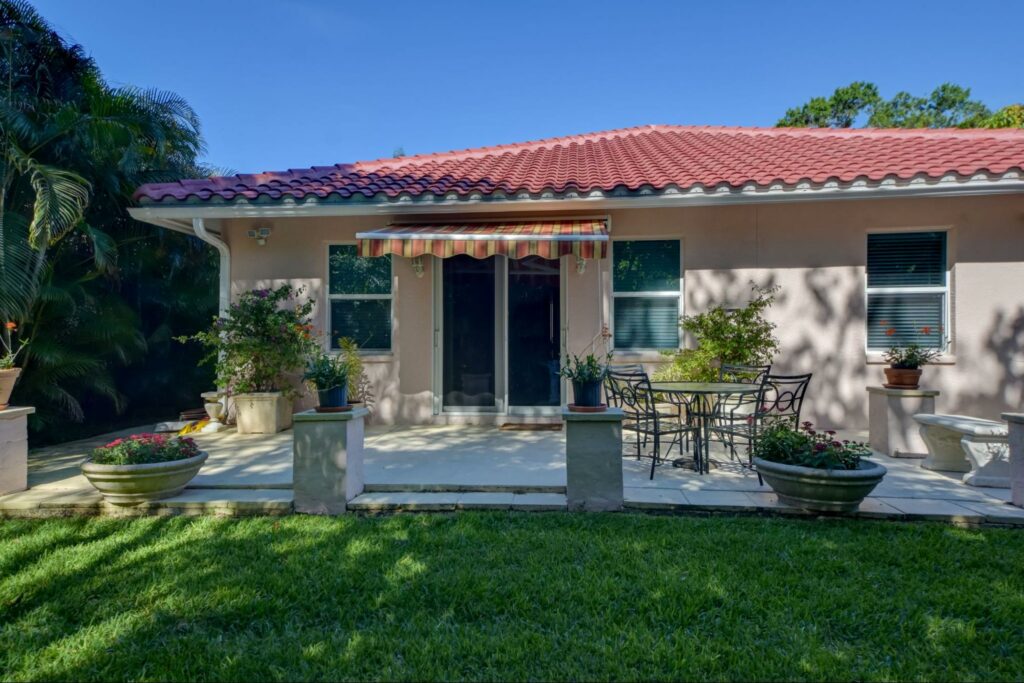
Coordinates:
958	443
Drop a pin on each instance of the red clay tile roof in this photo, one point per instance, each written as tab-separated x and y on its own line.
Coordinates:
656	157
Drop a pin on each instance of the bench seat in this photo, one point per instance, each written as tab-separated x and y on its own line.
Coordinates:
960	443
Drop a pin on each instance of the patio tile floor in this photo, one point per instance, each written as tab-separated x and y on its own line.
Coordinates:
471	467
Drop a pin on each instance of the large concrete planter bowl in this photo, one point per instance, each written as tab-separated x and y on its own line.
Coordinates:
134	484
821	490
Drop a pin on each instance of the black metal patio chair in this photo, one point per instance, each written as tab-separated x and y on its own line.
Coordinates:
633	393
780	400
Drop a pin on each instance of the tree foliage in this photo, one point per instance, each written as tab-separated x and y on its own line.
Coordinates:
102	293
725	336
860	102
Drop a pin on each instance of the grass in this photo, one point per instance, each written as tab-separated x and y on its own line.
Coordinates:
508	596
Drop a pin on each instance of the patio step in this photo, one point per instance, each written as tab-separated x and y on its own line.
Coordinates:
423	501
461	488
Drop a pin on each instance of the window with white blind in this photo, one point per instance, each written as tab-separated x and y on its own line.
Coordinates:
646	290
907	290
359	289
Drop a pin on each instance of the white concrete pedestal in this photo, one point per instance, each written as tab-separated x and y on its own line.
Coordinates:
1016	424
14	449
593	459
327	468
891	425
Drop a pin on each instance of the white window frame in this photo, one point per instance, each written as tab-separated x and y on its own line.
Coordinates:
944	290
677	294
359	297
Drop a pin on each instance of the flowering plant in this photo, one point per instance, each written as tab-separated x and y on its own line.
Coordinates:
909	356
265	336
9	351
139	449
808	447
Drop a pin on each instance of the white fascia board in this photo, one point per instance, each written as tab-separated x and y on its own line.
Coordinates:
947	187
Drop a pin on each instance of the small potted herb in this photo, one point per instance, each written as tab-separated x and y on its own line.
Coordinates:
329	376
904	371
586	375
9	351
813	470
143	467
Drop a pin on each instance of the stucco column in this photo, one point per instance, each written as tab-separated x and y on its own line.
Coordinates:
327	460
1016	424
891	426
593	459
14	449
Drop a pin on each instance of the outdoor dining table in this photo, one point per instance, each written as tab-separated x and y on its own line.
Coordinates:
700	399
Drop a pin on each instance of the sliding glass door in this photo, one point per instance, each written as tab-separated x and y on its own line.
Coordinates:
469	354
534	332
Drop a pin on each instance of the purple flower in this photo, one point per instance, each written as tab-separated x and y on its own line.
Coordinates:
262	293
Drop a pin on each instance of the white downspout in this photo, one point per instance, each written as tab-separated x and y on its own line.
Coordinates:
225	262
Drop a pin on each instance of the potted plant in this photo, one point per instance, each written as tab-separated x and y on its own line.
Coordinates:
586	375
814	470
257	349
8	354
358	384
904	371
329	376
143	467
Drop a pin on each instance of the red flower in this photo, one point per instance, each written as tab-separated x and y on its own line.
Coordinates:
11	325
890	332
926	329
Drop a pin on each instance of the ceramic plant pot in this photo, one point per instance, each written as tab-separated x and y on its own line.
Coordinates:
8	378
335	397
134	484
902	378
586	394
821	490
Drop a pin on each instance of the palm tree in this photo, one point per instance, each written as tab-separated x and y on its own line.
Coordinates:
72	150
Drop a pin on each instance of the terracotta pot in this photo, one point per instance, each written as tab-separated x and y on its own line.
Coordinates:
902	378
8	378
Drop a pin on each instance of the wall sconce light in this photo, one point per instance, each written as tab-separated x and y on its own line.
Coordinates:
260	235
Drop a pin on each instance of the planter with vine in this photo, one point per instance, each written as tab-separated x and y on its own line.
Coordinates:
143	467
904	371
257	349
9	351
813	470
586	375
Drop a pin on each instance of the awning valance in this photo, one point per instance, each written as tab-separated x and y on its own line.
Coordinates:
586	239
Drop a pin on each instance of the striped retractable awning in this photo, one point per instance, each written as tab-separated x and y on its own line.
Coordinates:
586	239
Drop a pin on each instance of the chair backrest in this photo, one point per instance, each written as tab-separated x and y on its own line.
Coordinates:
612	385
632	391
745	374
782	397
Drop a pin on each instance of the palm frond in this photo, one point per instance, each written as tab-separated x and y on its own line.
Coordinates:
61	197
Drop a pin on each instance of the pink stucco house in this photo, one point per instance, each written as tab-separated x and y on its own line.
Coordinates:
464	274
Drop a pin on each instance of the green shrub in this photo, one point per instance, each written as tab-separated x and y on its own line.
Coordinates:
265	335
725	336
140	449
326	372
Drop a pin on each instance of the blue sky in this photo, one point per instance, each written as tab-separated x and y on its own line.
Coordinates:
294	83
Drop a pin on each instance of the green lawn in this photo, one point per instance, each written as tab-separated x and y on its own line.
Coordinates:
508	595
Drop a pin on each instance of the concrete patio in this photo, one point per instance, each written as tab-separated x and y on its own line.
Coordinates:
467	467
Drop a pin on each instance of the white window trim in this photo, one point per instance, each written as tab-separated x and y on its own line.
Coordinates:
358	297
677	294
946	350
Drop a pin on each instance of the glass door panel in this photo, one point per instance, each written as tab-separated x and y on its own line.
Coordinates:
534	331
468	345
